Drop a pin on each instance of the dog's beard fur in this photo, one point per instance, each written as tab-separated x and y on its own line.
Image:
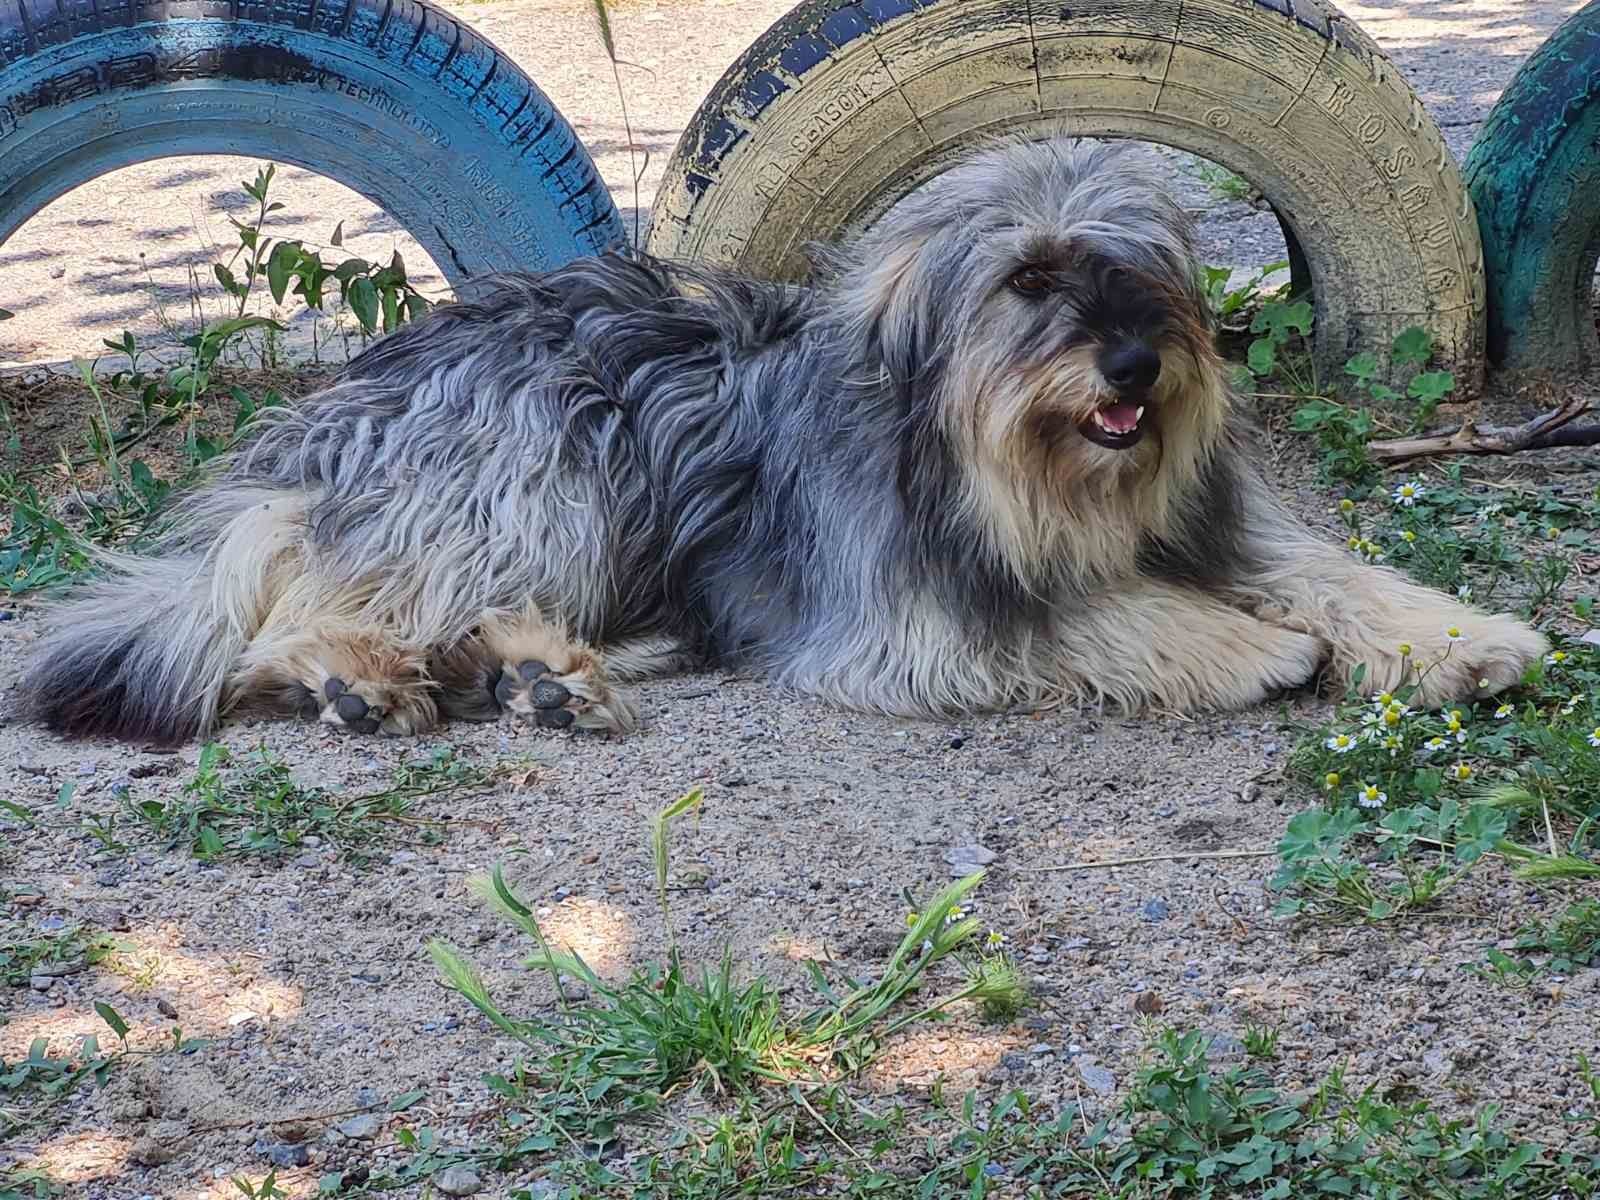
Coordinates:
988	458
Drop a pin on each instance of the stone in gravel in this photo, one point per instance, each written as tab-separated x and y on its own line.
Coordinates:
166	1008
148	1152
1148	1003
1592	637
458	1180
964	860
281	1155
1015	1063
1097	1079
29	767
1156	910
364	1127
162	1144
1225	1045
41	983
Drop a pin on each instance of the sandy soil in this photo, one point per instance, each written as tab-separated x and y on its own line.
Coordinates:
311	980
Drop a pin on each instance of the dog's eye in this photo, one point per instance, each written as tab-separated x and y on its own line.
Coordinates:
1031	281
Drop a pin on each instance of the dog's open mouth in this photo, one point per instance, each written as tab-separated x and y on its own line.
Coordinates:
1116	426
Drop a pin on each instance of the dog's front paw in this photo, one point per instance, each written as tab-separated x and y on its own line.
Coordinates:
556	700
1480	657
1476	656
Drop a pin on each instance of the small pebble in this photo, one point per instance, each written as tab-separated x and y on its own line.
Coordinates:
1224	1046
281	1155
973	856
365	1126
166	1009
1156	910
1097	1079
458	1180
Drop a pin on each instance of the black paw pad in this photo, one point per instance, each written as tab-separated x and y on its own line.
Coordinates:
532	669
351	708
305	703
554	718
506	689
334	688
547	693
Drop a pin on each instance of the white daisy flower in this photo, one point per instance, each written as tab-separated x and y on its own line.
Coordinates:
1370	797
1341	743
1504	711
1407	494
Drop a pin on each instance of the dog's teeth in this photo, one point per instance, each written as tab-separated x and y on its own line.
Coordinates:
1101	421
1139	416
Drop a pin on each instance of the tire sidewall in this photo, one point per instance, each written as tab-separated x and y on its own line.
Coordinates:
74	111
1350	161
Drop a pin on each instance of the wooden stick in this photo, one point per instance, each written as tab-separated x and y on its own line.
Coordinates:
1150	858
1541	433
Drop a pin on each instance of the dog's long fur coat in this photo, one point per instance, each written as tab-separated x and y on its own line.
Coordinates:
989	458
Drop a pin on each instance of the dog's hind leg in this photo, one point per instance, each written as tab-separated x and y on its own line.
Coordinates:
358	679
527	666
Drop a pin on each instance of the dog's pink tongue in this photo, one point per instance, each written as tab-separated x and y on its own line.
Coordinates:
1120	418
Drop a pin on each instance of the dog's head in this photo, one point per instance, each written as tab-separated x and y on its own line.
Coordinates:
1045	299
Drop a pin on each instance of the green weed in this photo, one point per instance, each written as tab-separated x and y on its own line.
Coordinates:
24	953
40	549
257	808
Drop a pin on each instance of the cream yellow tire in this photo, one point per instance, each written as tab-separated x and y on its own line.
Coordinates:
840	109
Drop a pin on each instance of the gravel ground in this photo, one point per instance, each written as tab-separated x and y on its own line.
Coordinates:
311	979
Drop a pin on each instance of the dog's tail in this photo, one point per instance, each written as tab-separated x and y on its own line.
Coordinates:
144	651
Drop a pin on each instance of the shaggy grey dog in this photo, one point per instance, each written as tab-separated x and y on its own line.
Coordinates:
988	458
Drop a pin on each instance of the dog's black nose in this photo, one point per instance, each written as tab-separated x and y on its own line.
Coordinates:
1130	366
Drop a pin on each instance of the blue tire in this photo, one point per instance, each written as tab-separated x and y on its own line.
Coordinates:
392	98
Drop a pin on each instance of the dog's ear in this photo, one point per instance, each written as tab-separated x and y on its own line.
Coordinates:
891	300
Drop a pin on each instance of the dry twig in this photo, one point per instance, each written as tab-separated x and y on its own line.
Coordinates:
1543	432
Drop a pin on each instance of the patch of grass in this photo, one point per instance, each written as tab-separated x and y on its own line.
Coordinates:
667	1028
1261	1043
32	1086
1415	800
1185	1130
24	953
1223	183
688	1086
1512	548
1566	944
1343	424
41	547
257	808
1232	304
